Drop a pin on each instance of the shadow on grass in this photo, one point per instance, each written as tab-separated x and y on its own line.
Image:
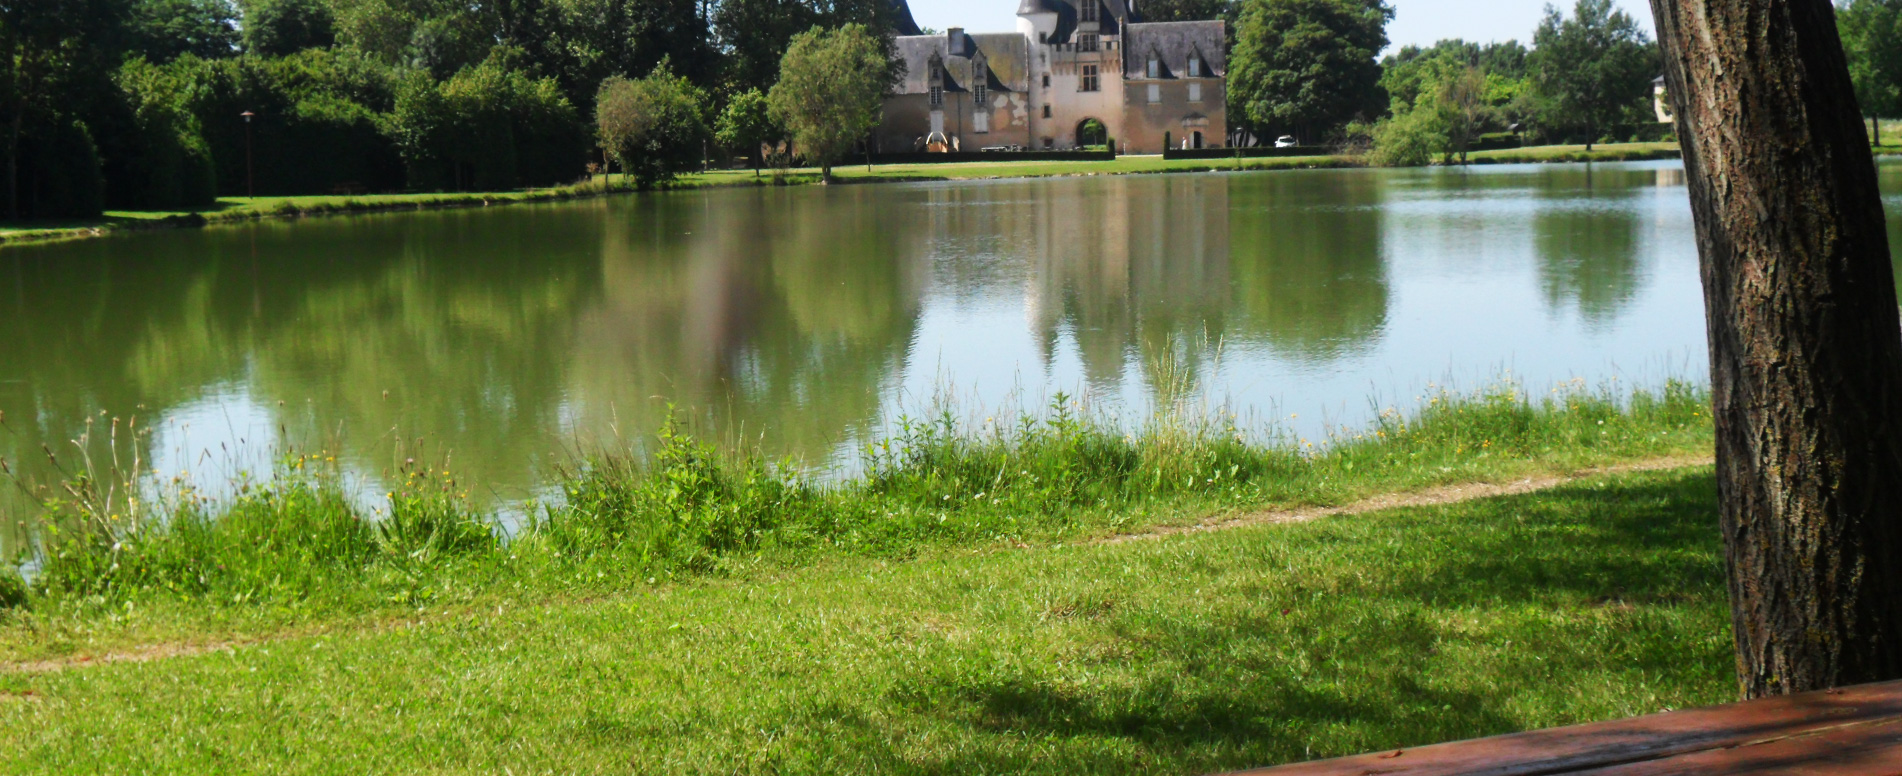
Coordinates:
1440	624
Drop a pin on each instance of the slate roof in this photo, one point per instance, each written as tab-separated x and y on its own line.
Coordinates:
1173	43
1006	60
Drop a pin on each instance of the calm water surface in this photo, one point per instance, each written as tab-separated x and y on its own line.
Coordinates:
804	319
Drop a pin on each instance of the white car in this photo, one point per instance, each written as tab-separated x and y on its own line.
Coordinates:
1285	141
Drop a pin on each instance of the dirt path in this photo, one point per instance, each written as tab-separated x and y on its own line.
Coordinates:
1436	496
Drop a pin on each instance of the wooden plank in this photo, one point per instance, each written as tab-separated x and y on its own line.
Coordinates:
1850	750
1624	741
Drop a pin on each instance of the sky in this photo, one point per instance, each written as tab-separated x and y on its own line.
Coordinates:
1416	22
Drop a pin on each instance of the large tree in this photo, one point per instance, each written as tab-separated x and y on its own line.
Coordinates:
275	28
55	61
1307	65
831	88
164	30
1872	40
1805	355
1594	69
1185	10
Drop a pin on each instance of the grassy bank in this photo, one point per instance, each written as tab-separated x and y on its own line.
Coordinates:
1197	653
1603	152
239	209
296	551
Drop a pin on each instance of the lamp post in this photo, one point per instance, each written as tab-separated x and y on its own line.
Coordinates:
250	186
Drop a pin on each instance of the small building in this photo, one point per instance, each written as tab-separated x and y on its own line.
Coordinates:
1072	66
1659	104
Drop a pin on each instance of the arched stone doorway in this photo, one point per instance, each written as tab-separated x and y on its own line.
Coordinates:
1193	126
1091	133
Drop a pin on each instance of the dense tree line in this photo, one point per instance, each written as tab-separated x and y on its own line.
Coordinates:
1312	68
140	103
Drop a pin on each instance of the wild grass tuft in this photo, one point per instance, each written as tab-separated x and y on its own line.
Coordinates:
1063	473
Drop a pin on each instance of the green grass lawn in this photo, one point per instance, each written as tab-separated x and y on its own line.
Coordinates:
1191	653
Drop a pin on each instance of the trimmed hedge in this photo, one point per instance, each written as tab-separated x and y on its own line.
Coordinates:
985	156
1256	152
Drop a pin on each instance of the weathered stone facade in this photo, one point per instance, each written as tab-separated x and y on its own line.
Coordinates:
1070	61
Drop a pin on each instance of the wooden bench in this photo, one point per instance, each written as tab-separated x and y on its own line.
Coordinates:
1855	731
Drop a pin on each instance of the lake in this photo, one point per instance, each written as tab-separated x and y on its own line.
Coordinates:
803	320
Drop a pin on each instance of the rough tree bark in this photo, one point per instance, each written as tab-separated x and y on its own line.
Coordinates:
1806	352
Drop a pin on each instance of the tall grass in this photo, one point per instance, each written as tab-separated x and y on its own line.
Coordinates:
1062	473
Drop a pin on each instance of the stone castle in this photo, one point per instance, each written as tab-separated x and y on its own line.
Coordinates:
1147	85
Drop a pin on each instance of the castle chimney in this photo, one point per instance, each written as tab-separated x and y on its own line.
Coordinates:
954	38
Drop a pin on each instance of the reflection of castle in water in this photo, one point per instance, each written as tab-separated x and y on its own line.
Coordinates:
1133	266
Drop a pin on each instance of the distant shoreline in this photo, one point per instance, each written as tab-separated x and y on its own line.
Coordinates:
240	209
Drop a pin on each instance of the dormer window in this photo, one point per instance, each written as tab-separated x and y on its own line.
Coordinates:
1195	66
937	96
1086	42
1087	11
980	93
1155	67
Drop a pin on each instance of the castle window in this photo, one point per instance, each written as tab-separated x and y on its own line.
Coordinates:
1087	12
980	94
1155	68
1088	82
1195	66
1155	93
1195	92
937	96
1046	111
981	121
1086	42
1046	80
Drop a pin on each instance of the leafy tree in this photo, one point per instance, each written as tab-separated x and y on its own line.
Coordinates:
275	28
1409	139
1594	69
652	125
756	33
830	91
164	30
1447	85
54	63
1307	65
1872	41
747	124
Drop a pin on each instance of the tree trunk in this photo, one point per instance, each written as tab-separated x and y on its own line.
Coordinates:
1806	358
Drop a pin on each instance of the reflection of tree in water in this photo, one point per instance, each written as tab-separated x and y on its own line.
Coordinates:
1588	257
781	313
1309	275
325	317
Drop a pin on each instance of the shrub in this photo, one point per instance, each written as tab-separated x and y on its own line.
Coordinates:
59	171
170	167
1409	140
652	126
317	125
486	128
